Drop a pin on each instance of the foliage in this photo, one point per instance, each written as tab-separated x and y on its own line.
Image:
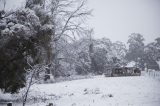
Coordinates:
152	53
136	48
21	36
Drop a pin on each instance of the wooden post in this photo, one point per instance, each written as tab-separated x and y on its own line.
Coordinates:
9	104
50	104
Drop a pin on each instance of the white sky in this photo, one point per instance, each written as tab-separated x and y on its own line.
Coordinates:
117	19
12	4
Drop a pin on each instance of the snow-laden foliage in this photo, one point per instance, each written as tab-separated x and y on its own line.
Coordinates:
22	21
152	54
108	54
88	55
30	35
22	34
136	49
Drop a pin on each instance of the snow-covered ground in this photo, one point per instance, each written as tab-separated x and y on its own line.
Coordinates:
100	91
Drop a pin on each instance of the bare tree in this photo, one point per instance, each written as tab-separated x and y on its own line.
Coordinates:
32	79
68	17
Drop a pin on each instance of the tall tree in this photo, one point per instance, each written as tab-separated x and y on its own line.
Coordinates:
68	17
23	35
119	52
152	54
100	55
136	49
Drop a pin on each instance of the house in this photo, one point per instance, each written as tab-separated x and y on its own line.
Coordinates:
123	71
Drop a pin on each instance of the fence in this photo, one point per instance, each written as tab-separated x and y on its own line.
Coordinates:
154	74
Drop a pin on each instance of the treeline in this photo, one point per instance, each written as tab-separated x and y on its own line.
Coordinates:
145	55
96	56
51	38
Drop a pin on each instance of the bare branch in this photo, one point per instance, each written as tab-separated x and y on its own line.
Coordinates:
77	13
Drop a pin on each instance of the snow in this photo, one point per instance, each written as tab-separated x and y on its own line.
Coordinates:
10	24
131	64
47	27
100	91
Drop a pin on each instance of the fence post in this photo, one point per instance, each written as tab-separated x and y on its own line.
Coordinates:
9	104
50	104
149	73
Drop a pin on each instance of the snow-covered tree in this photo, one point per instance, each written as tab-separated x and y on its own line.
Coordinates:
68	17
152	54
119	52
136	49
22	35
82	55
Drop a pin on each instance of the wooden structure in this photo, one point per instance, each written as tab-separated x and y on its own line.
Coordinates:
123	71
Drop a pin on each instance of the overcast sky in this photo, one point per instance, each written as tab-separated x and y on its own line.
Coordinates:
117	19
